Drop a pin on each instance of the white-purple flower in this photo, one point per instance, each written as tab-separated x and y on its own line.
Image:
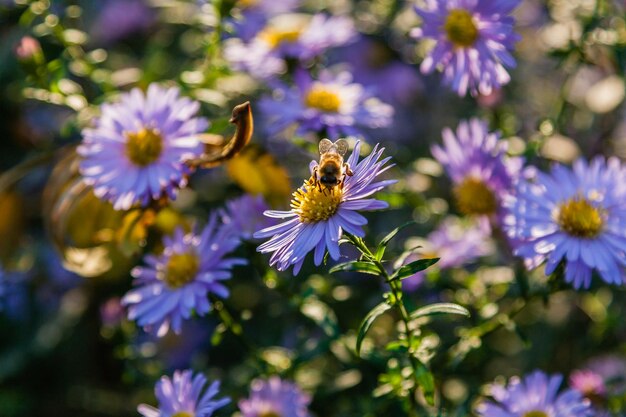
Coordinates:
537	395
473	42
479	167
300	37
332	104
573	216
184	396
275	398
455	242
319	216
137	150
244	215
178	282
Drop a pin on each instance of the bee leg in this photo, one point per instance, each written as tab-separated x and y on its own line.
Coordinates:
349	172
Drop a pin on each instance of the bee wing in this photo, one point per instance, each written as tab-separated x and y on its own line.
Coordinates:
325	146
342	146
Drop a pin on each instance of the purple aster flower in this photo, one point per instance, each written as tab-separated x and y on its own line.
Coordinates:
473	42
333	103
319	216
275	398
177	283
288	36
534	396
455	242
477	163
138	148
256	13
588	383
118	19
612	370
183	396
577	216
244	215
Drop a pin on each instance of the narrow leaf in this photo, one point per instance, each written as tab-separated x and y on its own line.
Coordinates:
413	267
368	321
357	266
440	308
380	250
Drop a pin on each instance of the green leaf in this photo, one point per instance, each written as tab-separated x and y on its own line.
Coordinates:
426	381
413	267
440	308
357	266
380	250
368	321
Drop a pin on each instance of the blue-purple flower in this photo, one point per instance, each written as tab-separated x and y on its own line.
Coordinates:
244	215
573	216
275	397
300	37
137	150
178	282
333	104
455	242
319	216
473	42
535	396
255	14
183	396
476	161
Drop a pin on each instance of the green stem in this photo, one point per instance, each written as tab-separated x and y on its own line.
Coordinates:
398	303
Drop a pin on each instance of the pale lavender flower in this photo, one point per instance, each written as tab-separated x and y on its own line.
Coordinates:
332	104
118	19
476	161
275	397
473	42
178	282
612	369
184	395
588	383
455	242
573	216
138	148
288	36
319	217
244	215
535	396
255	15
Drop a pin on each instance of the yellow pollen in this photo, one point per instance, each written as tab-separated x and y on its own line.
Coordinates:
269	414
181	269
323	99
144	146
314	205
579	218
460	28
276	37
474	197
535	413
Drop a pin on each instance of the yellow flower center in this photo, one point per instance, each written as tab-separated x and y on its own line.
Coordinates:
323	99
181	269
313	204
144	146
460	28
275	37
269	414
535	413
474	197
247	3
579	218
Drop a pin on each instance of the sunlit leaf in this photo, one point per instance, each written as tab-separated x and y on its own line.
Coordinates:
368	321
440	308
413	267
382	246
356	266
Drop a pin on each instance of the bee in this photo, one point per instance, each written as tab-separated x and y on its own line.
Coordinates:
331	170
